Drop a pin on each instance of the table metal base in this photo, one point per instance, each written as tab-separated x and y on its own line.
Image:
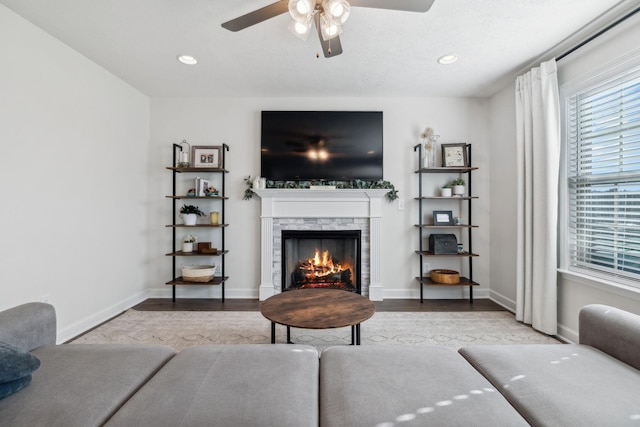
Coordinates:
355	334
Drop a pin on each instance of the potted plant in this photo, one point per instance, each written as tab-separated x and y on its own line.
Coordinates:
190	214
445	191
188	242
458	186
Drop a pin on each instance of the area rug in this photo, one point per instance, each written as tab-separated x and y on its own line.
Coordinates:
181	329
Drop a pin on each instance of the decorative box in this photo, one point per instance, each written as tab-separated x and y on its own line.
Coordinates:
443	244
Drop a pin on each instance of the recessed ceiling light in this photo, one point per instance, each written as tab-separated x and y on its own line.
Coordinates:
447	59
187	59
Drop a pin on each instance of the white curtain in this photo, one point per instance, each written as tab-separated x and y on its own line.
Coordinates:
538	161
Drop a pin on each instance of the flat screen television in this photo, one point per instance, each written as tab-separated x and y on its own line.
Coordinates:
321	145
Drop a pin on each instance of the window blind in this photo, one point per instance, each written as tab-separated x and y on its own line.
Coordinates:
603	135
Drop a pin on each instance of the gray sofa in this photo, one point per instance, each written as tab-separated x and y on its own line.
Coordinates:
596	382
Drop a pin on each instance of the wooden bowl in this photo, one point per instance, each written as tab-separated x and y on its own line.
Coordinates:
448	277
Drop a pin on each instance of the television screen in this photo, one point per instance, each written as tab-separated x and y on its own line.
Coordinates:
321	145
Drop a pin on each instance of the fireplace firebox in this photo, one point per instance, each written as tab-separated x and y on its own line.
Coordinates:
321	259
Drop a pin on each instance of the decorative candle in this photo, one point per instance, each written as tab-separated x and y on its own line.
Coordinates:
213	216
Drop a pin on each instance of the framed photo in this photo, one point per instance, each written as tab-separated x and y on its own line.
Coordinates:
201	187
454	155
206	157
442	218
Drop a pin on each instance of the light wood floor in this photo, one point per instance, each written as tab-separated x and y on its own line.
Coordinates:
165	304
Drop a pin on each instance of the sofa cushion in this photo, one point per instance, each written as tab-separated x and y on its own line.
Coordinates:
82	384
15	363
229	385
408	386
561	385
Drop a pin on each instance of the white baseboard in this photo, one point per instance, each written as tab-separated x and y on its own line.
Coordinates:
202	292
434	292
568	335
564	334
505	302
95	319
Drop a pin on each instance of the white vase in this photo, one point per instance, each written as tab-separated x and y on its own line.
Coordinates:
187	247
458	190
189	219
445	192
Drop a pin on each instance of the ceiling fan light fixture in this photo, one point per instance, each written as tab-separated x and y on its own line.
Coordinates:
329	28
338	10
301	10
301	29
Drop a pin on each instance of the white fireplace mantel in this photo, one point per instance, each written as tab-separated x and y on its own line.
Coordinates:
305	203
320	203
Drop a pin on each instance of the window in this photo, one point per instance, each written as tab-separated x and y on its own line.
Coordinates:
603	178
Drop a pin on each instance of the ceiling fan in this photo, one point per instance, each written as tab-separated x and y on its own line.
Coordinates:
327	15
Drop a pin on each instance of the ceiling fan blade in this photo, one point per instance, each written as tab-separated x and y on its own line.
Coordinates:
406	5
330	48
257	16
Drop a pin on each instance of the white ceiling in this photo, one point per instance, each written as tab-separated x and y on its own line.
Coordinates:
386	53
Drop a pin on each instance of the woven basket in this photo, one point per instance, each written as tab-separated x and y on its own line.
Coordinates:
448	277
198	273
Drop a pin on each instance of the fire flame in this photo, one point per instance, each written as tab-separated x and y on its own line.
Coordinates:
321	265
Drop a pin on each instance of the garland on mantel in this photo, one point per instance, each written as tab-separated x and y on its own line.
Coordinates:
356	184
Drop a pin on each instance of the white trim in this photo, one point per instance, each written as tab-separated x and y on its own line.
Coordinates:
503	301
96	319
601	284
202	292
567	335
437	292
604	72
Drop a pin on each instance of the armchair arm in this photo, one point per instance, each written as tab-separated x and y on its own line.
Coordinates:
29	326
614	331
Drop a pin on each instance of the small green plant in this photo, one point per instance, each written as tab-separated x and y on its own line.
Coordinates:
248	192
190	209
458	181
391	195
446	186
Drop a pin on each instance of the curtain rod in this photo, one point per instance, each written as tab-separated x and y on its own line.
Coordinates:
599	33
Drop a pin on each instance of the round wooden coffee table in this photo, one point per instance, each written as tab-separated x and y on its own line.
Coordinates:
317	309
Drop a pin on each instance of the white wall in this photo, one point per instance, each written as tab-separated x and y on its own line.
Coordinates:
236	121
503	201
74	180
573	292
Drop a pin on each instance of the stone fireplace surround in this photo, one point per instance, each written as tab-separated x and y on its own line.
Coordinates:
320	209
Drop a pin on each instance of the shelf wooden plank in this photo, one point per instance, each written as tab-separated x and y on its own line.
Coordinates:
199	197
215	281
198	225
463	282
446	198
180	253
197	169
445	226
447	170
461	254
